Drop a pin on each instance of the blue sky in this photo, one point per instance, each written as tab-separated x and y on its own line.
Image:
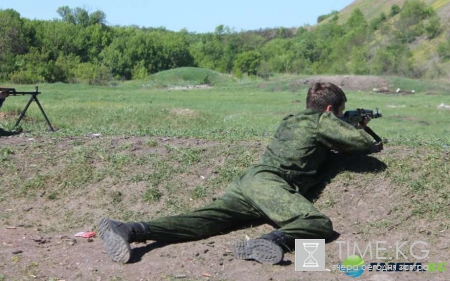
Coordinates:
194	15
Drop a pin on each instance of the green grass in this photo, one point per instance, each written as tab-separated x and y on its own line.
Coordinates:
247	110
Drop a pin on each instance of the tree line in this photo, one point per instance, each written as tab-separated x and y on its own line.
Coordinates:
80	47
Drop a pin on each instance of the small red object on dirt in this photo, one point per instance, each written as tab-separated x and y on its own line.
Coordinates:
86	234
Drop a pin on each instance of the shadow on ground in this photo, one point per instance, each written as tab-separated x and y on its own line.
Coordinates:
340	162
4	133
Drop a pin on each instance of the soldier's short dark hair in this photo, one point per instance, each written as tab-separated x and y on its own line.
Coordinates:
322	94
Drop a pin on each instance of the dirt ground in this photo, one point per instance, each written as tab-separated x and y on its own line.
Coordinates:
351	82
29	252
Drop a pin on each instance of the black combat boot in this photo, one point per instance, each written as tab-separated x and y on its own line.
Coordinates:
117	237
267	249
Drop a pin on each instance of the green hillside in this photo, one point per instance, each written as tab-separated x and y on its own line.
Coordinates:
189	76
410	34
372	9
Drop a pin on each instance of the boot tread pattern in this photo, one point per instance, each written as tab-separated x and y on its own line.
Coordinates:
261	250
116	247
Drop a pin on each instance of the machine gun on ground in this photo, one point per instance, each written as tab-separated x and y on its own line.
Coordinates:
5	92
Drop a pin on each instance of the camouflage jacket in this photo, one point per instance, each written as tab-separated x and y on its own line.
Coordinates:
303	141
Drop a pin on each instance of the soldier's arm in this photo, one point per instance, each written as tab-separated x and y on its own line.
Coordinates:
343	137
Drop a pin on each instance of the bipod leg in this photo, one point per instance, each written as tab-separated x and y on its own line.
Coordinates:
34	97
43	113
22	114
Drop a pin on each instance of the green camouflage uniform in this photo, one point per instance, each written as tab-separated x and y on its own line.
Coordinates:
274	188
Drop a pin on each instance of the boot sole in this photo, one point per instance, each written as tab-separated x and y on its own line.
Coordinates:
261	250
117	248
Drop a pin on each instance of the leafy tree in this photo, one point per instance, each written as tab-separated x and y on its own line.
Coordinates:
358	62
395	59
248	62
59	37
80	16
34	66
357	31
279	55
395	9
65	66
411	22
97	17
139	70
376	22
263	70
173	49
433	27
444	50
96	38
155	50
314	48
220	30
12	40
208	52
415	11
268	34
324	17
356	20
93	73
66	14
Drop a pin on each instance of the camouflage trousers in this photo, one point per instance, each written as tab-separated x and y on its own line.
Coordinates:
258	195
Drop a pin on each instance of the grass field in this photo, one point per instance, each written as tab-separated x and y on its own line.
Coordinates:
232	110
163	150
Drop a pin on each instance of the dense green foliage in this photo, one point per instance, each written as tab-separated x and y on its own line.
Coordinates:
80	47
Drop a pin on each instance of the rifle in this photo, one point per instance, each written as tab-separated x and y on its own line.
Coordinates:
354	117
5	92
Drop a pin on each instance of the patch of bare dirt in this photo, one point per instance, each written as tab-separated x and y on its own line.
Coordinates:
38	243
186	112
351	82
5	115
190	87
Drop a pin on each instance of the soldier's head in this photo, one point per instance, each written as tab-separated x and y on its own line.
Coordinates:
323	96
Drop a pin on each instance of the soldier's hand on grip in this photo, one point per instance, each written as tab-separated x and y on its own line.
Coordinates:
377	147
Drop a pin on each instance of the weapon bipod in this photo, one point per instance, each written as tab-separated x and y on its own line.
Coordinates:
32	98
